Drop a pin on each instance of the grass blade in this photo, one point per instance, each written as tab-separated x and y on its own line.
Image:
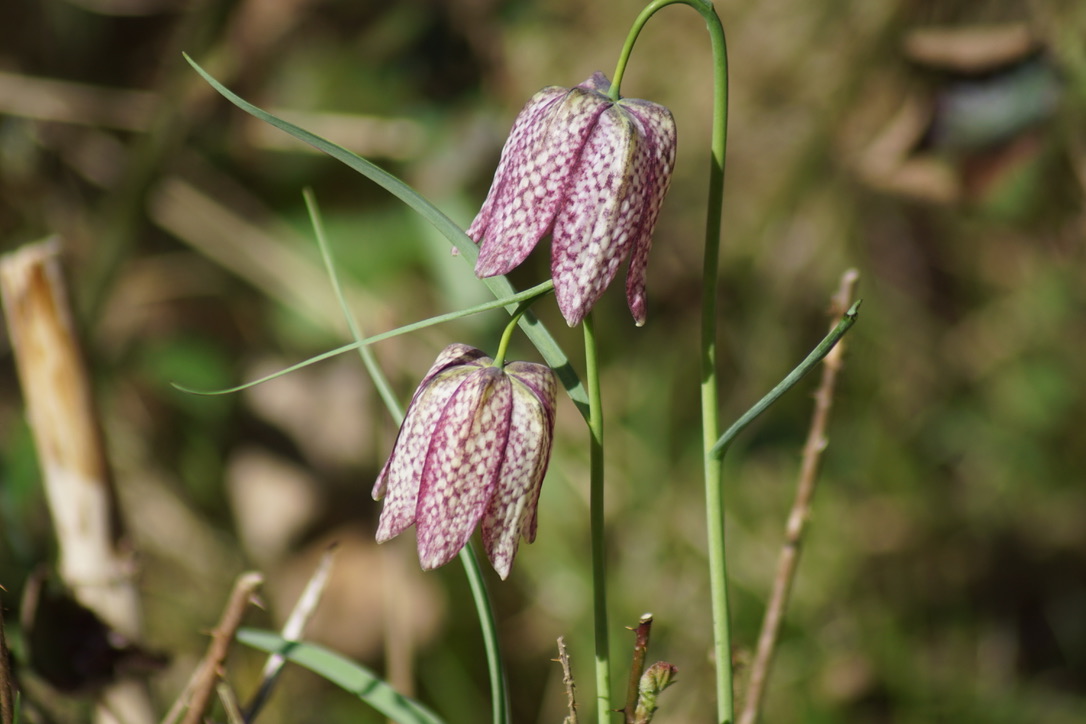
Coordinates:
499	286
344	673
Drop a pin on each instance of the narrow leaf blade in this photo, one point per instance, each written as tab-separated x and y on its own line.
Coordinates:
499	286
345	673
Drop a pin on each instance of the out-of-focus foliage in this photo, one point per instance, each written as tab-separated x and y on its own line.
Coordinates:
944	575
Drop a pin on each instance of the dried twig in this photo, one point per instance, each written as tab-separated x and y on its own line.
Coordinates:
567	679
7	682
637	665
94	560
292	631
788	560
197	694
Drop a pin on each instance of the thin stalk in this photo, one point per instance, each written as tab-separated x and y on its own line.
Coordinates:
507	335
495	669
599	577
710	423
384	388
499	699
637	666
788	559
799	372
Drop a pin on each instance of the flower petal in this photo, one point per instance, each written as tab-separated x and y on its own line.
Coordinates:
467	448
399	478
592	233
597	82
654	162
528	118
511	513
533	176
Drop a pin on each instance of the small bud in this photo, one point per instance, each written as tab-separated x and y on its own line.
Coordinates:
656	678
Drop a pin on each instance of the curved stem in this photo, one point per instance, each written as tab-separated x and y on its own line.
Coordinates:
710	423
705	7
599	578
507	335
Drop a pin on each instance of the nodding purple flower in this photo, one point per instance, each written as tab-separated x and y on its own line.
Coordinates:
474	446
591	172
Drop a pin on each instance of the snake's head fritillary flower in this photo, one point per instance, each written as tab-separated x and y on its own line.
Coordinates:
474	446
591	172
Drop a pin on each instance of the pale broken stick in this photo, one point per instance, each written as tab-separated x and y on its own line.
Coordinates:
95	562
292	631
788	560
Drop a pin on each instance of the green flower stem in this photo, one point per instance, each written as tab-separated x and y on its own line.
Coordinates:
710	423
507	335
599	577
498	691
499	695
817	354
714	492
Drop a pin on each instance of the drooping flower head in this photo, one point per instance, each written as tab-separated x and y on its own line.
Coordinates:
590	171
474	446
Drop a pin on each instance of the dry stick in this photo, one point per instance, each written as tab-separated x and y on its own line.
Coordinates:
7	682
567	679
201	686
637	665
293	630
94	560
797	518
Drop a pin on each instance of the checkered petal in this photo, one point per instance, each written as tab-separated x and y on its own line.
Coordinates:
591	172
474	446
653	164
398	481
460	475
511	514
533	174
592	232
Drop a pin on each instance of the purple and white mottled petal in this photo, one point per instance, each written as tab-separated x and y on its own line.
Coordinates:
399	480
512	510
543	383
655	161
453	355
535	179
517	483
597	82
529	116
467	448
592	234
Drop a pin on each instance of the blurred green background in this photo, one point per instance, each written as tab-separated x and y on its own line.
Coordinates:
944	574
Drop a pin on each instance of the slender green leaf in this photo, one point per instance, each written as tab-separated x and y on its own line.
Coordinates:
808	364
516	299
499	286
344	673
